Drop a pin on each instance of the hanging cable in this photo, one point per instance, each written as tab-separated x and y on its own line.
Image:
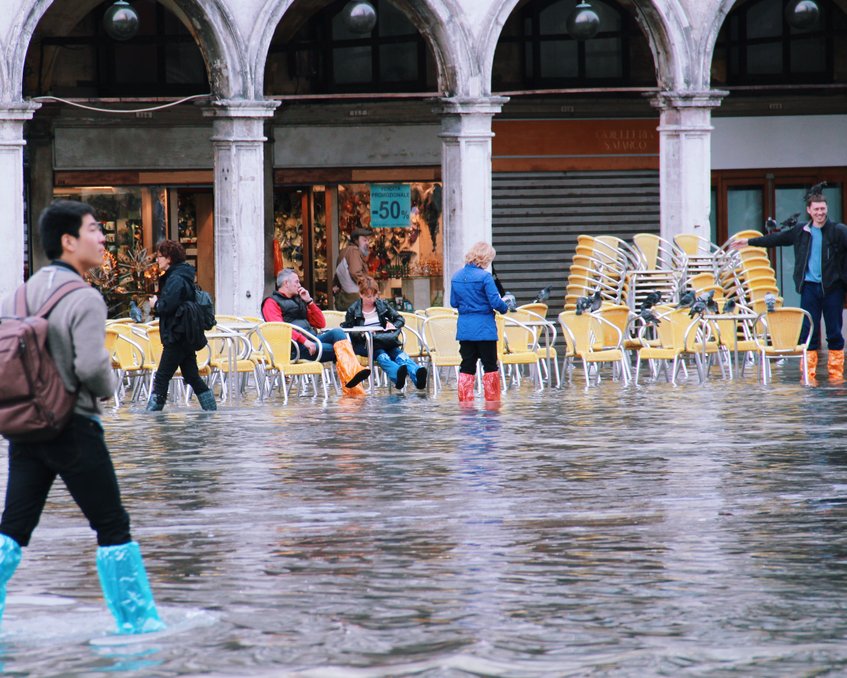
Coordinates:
119	111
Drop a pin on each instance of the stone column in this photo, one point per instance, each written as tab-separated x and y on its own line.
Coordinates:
466	174
13	116
239	151
685	132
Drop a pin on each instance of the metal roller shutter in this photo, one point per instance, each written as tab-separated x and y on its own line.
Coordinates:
538	216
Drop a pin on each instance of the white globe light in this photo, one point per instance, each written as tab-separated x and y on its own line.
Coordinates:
121	21
359	16
583	23
802	15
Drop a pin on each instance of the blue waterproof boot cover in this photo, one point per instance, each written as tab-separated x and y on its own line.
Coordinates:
10	556
126	588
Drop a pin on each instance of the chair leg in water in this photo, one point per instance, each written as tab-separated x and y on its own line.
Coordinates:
10	557
126	589
491	386
352	374
466	387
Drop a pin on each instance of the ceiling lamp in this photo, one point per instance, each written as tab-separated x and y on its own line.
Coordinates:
583	23
803	15
359	16
121	21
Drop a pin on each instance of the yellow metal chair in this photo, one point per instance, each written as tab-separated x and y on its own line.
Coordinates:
584	335
333	319
517	345
440	310
778	336
678	336
231	356
412	333
276	338
129	357
439	335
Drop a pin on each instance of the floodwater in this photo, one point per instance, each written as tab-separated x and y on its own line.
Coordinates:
613	531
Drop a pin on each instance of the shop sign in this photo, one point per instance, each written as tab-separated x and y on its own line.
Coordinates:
391	205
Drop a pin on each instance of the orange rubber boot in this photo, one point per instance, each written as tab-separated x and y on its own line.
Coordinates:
350	372
466	386
491	386
812	364
835	365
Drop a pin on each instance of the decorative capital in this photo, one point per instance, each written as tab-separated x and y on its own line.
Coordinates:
22	110
470	105
682	99
241	108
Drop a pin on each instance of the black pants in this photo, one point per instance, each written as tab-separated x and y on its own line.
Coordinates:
80	457
471	351
173	356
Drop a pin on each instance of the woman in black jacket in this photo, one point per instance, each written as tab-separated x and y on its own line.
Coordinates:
388	353
176	286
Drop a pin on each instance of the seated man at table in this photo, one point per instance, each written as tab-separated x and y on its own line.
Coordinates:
371	311
292	303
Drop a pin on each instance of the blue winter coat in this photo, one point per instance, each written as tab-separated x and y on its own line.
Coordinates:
474	293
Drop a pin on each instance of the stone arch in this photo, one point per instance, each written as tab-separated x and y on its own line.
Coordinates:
438	21
722	10
209	21
658	20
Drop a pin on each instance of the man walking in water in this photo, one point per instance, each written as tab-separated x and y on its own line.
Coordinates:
73	240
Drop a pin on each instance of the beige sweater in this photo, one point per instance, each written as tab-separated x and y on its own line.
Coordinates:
76	336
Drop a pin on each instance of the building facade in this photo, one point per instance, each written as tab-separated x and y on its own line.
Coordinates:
261	132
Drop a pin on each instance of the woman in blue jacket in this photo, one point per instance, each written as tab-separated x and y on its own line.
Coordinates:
474	293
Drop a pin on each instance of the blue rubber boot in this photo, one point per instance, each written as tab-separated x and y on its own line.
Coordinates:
10	556
126	589
156	403
207	400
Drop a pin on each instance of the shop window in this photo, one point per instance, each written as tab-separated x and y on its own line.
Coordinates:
325	56
536	52
406	259
162	59
757	46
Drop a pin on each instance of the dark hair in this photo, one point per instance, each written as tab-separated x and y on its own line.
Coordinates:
815	197
60	218
171	249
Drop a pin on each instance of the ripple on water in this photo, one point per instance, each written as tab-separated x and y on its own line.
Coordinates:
651	530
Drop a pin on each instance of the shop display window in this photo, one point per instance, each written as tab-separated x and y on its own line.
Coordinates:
128	273
407	257
187	225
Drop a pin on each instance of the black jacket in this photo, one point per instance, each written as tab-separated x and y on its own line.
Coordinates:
295	311
833	251
175	287
356	318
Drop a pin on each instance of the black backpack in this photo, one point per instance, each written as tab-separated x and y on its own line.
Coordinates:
193	318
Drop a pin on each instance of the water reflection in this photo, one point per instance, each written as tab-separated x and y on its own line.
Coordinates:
625	531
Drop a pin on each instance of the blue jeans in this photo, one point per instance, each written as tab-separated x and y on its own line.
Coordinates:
390	359
327	339
830	306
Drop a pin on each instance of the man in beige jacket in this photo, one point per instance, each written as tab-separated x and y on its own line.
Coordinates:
73	240
351	268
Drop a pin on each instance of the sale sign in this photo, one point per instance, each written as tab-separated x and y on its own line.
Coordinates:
391	205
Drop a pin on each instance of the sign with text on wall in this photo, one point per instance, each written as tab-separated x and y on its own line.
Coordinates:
391	205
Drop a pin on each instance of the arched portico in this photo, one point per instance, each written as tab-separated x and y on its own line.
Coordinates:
237	137
436	20
684	101
210	23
